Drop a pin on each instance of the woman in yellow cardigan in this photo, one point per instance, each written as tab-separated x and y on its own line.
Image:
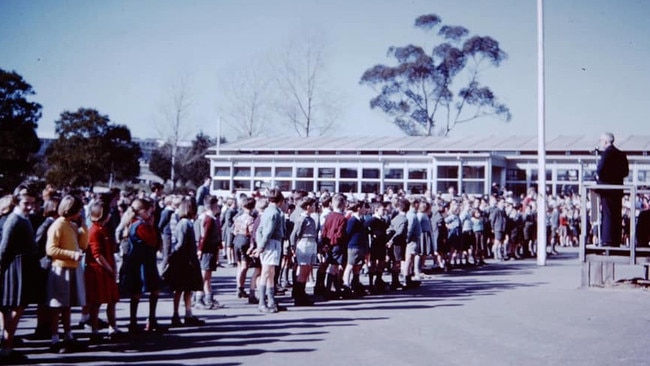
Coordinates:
67	239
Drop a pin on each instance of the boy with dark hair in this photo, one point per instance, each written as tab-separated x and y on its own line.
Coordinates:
335	244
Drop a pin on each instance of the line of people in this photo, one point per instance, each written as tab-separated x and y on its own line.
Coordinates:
73	250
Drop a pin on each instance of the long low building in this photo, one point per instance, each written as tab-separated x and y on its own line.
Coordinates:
360	165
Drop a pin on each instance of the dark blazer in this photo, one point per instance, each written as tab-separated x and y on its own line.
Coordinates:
612	166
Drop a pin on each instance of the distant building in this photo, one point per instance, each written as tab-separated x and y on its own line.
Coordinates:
360	165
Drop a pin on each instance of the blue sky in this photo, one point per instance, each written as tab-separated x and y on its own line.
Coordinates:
121	57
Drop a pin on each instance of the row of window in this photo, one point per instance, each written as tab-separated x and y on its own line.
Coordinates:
325	185
444	172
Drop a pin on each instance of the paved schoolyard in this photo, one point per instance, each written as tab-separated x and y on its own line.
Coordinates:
512	313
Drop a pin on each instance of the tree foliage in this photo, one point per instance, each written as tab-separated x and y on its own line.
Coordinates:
90	149
191	164
196	166
18	122
424	89
160	163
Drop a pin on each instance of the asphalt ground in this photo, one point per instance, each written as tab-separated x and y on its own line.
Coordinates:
507	313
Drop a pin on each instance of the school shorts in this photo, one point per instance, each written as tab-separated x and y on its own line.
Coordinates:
306	251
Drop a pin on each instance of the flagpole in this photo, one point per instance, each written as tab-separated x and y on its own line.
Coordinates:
541	140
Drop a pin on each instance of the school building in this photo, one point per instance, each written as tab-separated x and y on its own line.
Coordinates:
370	165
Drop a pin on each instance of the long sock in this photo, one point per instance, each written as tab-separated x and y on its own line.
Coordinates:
329	282
133	308
338	283
394	278
320	281
153	303
269	294
261	291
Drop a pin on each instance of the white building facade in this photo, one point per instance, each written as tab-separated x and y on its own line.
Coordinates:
371	165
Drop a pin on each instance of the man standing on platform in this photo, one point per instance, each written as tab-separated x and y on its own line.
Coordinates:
612	169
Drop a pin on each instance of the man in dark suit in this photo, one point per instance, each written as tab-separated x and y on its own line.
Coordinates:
612	169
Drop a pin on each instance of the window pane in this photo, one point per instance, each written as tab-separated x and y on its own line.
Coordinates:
516	174
417	174
222	171
473	187
305	172
305	186
371	173
262	172
326	186
221	185
567	174
394	174
447	172
517	188
283	172
283	185
348	173
473	172
643	176
416	188
326	172
443	186
242	172
533	174
588	175
370	187
347	187
242	184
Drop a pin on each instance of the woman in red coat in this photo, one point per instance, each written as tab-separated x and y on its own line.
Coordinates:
101	272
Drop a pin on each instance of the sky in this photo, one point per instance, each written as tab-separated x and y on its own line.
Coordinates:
122	57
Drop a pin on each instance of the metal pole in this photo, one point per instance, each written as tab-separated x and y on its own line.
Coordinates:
218	134
541	140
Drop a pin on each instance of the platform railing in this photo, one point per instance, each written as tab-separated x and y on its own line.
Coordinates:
605	257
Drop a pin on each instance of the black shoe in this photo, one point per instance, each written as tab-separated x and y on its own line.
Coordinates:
96	338
134	329
192	321
413	284
42	332
13	358
253	300
303	301
242	294
154	327
176	322
71	346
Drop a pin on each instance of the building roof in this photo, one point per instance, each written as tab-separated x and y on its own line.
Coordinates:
432	144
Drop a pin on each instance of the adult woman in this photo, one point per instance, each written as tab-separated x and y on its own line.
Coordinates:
19	268
101	271
67	239
184	271
139	267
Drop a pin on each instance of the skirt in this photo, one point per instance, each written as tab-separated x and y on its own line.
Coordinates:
22	282
101	287
66	287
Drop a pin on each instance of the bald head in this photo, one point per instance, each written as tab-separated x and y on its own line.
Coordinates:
606	139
